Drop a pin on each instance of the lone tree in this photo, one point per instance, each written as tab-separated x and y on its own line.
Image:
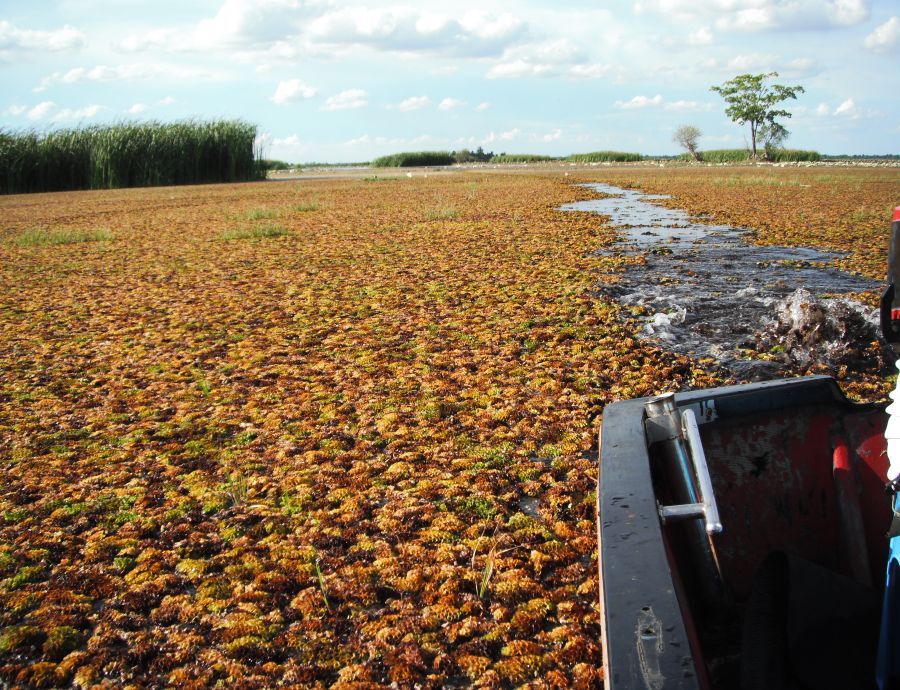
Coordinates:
772	136
751	100
686	136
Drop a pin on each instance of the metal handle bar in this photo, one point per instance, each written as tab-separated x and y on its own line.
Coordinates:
706	507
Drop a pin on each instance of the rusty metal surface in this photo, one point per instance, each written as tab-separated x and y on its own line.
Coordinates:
773	479
770	451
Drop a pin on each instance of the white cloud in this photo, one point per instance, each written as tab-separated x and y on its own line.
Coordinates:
129	73
482	107
350	99
292	90
555	135
13	38
152	40
763	15
800	67
503	136
413	103
41	110
241	22
292	140
262	142
48	110
555	52
237	24
594	71
553	58
847	12
885	38
290	148
16	109
751	62
79	114
701	37
518	69
848	107
640	102
750	19
168	100
366	139
137	109
764	62
450	104
689	106
851	110
474	33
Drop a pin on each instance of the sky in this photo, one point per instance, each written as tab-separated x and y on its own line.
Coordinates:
347	80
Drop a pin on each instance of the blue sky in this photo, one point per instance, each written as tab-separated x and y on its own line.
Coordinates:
336	80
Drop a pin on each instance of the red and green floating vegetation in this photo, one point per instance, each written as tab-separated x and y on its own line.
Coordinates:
331	432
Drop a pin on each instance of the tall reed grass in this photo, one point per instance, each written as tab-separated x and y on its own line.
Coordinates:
128	155
743	155
798	155
723	156
411	159
605	157
521	158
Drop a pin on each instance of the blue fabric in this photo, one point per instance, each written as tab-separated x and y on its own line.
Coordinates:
887	671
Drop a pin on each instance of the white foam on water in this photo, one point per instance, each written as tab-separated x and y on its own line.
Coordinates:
831	331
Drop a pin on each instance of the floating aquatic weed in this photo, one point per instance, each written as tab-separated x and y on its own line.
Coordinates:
372	339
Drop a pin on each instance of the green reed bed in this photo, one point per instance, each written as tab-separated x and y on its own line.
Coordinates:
411	159
605	157
522	158
128	155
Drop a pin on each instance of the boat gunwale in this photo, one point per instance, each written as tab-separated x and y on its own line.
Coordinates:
637	586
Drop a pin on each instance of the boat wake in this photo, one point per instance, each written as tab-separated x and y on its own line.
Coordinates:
759	311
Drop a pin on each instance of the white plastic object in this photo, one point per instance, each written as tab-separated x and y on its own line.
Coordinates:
892	432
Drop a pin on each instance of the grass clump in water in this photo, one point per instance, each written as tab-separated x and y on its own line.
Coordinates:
260	231
262	213
443	212
42	236
305	206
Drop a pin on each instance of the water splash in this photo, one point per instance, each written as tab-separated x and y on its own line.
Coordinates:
805	330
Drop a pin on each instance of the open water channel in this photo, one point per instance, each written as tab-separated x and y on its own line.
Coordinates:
707	292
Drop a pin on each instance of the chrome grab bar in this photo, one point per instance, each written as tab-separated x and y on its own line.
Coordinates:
706	506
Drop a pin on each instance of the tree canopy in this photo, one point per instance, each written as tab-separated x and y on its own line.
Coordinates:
686	136
751	100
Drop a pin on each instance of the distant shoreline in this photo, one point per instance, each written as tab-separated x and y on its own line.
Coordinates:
362	171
